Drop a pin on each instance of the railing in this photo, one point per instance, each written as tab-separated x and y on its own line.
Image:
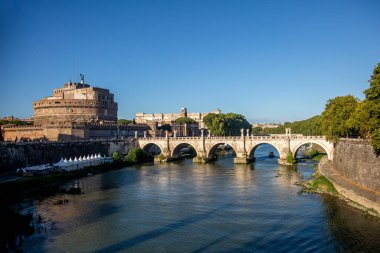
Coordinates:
252	137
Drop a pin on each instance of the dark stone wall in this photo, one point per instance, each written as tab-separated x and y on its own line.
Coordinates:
18	155
356	160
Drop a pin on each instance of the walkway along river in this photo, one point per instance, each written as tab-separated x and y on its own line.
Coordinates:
188	207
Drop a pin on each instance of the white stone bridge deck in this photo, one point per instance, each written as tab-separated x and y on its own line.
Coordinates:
244	145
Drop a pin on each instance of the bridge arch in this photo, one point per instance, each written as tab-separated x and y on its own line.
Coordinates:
147	147
178	147
253	149
319	143
211	151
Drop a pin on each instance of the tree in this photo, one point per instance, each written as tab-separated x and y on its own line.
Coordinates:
124	121
290	158
225	124
184	120
117	157
373	92
359	120
215	123
336	115
136	155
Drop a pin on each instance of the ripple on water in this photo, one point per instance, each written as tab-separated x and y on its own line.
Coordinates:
215	207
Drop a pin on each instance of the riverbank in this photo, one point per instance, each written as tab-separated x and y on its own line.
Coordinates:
329	181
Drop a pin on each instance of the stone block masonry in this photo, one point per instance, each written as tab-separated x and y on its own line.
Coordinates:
356	160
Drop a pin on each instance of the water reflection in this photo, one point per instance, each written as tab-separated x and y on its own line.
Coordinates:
215	207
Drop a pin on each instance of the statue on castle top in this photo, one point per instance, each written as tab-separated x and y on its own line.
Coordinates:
81	78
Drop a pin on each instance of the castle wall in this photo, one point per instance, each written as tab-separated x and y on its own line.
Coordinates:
18	155
66	132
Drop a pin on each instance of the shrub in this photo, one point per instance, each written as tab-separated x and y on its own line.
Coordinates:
136	155
290	158
117	157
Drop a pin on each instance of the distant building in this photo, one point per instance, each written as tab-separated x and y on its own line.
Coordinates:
265	125
11	119
75	112
169	118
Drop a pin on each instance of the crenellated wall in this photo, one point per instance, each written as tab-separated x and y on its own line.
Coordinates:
17	155
355	160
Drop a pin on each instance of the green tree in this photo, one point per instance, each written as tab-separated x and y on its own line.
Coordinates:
117	157
184	120
311	126
225	124
373	92
336	115
124	121
290	158
215	124
365	120
136	155
375	141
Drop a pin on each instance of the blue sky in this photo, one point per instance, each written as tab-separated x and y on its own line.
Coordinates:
268	60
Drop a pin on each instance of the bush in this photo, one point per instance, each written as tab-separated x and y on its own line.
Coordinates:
290	158
136	155
375	141
117	157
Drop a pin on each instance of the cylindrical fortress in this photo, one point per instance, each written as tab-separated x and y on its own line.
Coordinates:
76	102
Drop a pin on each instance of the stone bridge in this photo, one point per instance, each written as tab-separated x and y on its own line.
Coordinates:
244	145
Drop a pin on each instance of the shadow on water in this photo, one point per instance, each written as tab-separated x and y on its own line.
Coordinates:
121	246
354	230
209	245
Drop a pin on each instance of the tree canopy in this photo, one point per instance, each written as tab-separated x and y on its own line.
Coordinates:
15	122
336	115
125	121
225	124
311	126
346	116
184	120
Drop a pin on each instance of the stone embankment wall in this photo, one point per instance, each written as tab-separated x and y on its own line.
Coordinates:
355	160
18	155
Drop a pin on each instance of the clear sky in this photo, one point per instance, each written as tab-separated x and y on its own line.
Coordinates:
269	60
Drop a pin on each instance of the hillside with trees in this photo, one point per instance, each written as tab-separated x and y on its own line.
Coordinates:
310	126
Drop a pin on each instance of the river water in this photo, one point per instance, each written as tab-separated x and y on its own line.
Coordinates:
214	207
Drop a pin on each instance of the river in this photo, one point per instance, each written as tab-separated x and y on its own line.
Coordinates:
214	207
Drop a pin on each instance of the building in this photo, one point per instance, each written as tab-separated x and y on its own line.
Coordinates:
76	102
75	112
169	118
266	125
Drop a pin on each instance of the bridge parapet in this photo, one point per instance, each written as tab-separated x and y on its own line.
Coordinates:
244	146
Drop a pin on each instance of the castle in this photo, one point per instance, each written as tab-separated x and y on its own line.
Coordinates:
75	112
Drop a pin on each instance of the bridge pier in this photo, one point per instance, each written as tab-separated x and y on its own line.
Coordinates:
243	160
243	146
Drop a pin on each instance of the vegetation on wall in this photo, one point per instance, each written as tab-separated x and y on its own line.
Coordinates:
225	124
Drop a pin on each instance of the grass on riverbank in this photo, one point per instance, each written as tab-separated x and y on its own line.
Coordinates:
318	157
320	184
